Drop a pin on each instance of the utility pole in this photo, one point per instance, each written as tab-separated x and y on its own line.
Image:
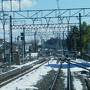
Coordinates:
57	4
63	43
4	44
68	76
23	43
19	4
80	33
35	45
11	43
59	17
3	22
11	4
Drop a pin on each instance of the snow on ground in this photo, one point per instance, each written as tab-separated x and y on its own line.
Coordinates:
80	60
65	77
76	69
19	66
29	80
34	54
53	61
77	84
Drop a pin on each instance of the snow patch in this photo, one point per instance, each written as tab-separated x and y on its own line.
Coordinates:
28	80
77	84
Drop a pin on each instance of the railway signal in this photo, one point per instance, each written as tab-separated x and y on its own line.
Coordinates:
22	36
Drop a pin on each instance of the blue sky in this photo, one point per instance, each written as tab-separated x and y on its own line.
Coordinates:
49	4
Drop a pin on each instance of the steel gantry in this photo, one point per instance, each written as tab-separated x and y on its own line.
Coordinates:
47	21
38	19
50	21
46	18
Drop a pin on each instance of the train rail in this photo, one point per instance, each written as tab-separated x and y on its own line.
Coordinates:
52	87
22	73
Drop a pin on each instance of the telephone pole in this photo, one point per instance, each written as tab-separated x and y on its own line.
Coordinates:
80	33
11	43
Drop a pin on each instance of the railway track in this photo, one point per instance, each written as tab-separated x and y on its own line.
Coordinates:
57	75
69	77
21	74
52	87
70	85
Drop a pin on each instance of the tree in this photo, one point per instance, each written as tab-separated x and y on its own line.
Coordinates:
86	38
73	38
53	43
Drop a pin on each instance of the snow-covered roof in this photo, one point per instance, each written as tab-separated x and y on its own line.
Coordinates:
34	54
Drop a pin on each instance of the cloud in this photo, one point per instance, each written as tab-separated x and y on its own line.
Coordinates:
25	4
